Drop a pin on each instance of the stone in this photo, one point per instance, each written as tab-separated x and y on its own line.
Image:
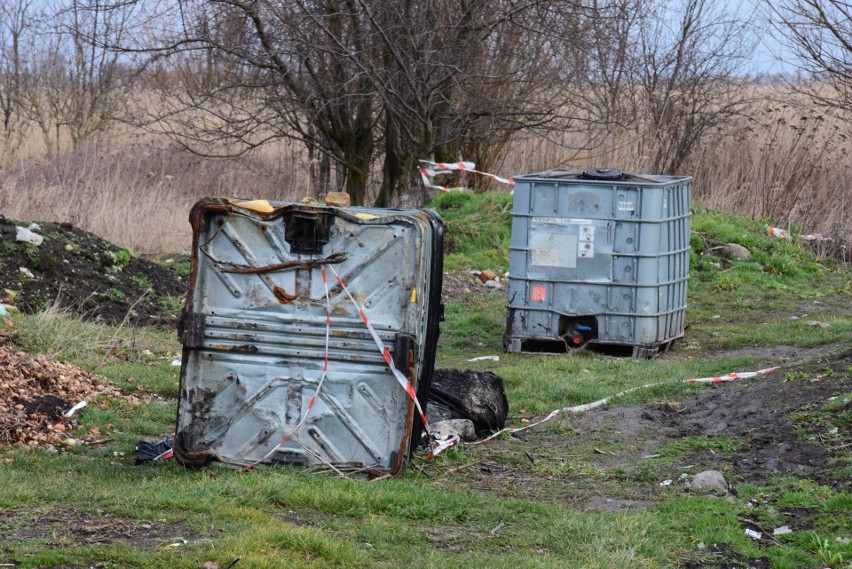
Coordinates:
451	427
735	251
338	199
487	275
710	481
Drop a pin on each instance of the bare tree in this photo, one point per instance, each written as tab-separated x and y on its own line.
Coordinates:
670	74
85	95
235	75
607	63
67	77
819	34
690	74
463	84
359	80
15	24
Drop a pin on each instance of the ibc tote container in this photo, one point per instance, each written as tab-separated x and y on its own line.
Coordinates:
278	365
598	257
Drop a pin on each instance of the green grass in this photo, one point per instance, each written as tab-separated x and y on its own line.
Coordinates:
477	229
436	515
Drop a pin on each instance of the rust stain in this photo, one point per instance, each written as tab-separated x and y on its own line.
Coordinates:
282	295
243	348
339	310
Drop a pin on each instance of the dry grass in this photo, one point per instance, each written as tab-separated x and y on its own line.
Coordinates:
784	163
138	194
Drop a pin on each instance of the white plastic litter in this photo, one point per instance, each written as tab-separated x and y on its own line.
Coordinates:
25	234
75	408
753	534
485	358
175	363
783	530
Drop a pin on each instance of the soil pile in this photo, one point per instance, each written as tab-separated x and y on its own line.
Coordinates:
82	273
35	394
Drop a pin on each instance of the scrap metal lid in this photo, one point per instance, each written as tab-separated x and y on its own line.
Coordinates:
602	174
599	175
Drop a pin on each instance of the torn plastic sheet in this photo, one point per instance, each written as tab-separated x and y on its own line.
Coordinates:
24	234
756	535
70	412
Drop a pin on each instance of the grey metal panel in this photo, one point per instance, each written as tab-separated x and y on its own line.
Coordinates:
258	350
611	255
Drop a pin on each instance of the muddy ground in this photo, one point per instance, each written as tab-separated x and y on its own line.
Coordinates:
777	424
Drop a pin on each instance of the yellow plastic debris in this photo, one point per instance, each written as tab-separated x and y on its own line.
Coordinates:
414	294
257	206
366	216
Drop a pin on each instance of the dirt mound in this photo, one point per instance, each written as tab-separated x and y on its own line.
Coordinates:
85	274
35	394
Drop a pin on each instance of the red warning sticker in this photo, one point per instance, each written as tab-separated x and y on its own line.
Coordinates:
539	293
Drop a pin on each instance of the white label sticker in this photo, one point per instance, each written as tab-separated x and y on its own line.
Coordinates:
586	242
553	250
625	206
559	220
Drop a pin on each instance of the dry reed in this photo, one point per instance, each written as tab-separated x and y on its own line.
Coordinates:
783	162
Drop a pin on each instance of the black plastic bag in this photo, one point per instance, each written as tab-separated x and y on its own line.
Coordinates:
147	451
464	394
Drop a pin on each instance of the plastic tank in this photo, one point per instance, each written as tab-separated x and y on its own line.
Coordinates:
598	257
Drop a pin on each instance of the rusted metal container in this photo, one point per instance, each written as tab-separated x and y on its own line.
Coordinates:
279	365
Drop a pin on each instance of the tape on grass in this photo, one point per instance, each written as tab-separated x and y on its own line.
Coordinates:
601	402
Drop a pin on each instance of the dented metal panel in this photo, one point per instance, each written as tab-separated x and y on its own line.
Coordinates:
255	330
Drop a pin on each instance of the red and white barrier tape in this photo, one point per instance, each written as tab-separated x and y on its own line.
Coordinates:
429	170
784	234
442	445
816	237
600	403
304	418
732	376
517	429
778	232
165	455
409	389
